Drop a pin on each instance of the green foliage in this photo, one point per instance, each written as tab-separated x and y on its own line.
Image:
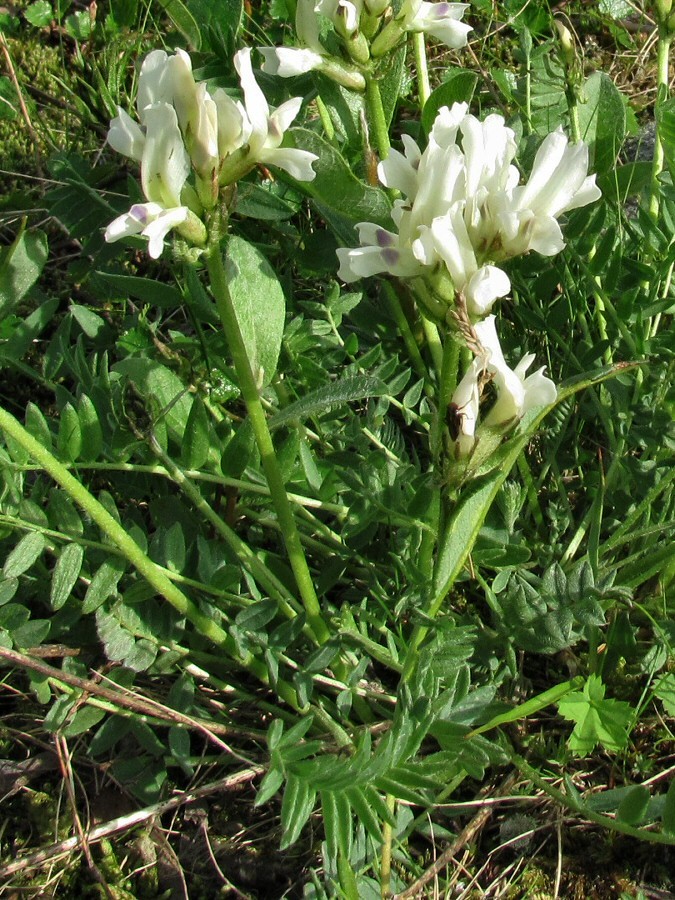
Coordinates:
454	595
598	721
259	303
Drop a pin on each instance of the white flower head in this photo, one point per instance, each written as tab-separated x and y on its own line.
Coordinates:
461	207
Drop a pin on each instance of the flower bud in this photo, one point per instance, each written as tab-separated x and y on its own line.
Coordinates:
358	49
193	230
387	39
376	7
566	43
342	74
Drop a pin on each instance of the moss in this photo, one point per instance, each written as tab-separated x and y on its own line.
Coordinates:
41	70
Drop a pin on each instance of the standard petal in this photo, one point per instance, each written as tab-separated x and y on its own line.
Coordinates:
484	287
154	82
234	127
400	171
453	245
257	108
165	164
307	25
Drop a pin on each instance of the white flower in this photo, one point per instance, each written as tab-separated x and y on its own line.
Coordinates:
312	55
289	61
464	408
197	114
440	20
268	128
164	170
165	164
150	220
461	210
381	252
516	393
344	14
125	136
234	127
559	182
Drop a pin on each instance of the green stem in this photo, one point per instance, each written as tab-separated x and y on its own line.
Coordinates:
573	107
376	117
152	573
256	413
435	345
577	806
423	86
406	333
387	841
446	387
662	77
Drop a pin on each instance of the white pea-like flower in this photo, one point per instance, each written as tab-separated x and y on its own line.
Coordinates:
185	131
286	62
441	20
558	183
462	211
267	128
516	392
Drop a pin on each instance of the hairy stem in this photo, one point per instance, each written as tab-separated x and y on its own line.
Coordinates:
251	396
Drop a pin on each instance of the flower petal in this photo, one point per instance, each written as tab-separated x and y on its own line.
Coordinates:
289	61
298	163
125	136
158	229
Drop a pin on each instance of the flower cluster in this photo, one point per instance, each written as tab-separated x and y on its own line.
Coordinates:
364	29
462	211
185	130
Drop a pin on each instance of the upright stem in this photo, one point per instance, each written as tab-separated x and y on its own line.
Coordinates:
665	40
376	118
403	326
446	387
420	51
256	413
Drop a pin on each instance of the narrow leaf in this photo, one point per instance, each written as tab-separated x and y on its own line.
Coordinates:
65	574
24	554
345	390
